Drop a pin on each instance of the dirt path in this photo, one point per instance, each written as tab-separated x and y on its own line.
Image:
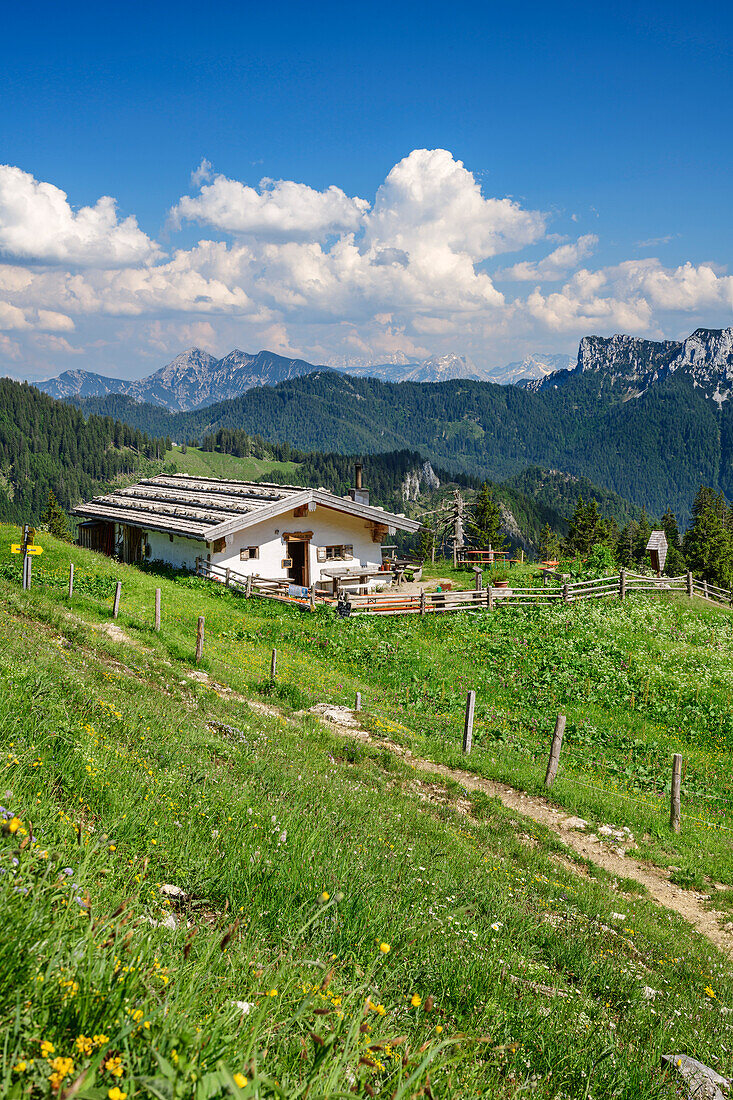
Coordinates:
686	903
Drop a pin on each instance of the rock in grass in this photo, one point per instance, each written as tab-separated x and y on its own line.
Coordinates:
702	1082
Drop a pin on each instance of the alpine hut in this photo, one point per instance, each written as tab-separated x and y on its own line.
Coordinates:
275	531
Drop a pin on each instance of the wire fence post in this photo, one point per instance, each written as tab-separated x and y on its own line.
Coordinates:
273	664
675	808
553	762
71	579
200	639
116	604
468	724
157	609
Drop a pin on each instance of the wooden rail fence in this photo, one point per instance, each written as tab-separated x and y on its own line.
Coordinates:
489	597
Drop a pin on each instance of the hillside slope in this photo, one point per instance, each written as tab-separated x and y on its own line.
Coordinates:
214	889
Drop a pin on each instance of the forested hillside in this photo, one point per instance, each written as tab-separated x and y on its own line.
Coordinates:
654	449
47	445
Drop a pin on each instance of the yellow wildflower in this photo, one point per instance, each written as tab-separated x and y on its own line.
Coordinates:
14	824
439	1028
47	1048
116	1094
114	1066
21	1067
240	1080
325	895
709	992
415	1000
385	948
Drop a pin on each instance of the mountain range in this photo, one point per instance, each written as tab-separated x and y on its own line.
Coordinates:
649	420
195	379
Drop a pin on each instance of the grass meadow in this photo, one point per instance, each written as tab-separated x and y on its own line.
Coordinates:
204	900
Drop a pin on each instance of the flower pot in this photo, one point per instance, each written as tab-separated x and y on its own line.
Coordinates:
500	584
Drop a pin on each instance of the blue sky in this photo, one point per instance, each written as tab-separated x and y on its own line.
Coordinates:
562	127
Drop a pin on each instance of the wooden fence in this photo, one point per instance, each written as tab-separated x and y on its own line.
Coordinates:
433	603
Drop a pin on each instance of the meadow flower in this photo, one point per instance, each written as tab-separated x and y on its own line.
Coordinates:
20	1067
240	1080
325	895
116	1093
710	992
385	948
114	1066
47	1048
415	1000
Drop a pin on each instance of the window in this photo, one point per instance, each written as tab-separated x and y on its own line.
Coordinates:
335	553
219	545
249	552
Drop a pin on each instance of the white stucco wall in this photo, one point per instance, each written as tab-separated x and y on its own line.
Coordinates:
329	527
177	551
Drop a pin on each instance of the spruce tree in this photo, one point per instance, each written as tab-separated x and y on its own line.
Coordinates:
55	519
484	528
708	544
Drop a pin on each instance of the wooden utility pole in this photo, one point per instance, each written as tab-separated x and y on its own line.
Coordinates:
157	609
675	815
200	639
116	604
553	762
468	724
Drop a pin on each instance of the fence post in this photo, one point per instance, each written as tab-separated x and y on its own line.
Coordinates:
313	596
28	572
198	566
468	725
566	593
521	557
455	555
357	705
248	589
71	579
157	609
689	585
422	601
273	664
479	578
675	815
622	585
490	597
200	639
554	760
705	590
116	604
226	576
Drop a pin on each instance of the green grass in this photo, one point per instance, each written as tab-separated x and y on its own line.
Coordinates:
131	774
213	464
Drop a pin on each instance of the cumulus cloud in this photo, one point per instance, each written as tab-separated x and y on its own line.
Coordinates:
555	266
278	209
37	224
325	275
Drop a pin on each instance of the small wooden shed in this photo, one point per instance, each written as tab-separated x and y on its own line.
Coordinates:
657	547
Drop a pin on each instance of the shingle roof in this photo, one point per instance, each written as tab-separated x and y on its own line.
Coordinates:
208	508
657	541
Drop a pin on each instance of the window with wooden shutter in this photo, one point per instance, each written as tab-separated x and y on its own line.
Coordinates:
321	553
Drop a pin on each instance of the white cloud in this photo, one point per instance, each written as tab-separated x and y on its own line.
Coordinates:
37	224
325	276
431	203
555	266
279	210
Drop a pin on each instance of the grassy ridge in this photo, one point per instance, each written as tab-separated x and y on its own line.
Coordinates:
213	464
304	855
